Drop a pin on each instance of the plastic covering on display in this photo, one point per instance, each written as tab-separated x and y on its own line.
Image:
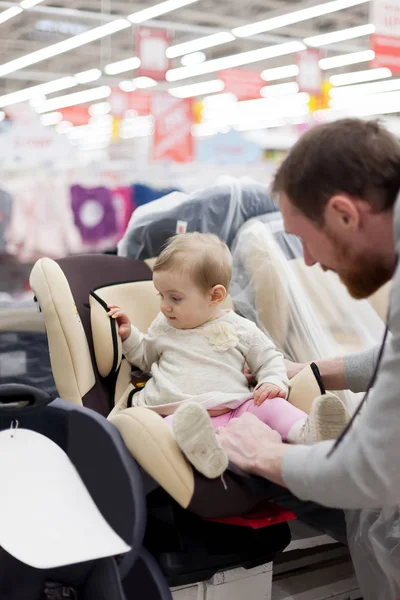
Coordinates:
373	537
221	209
24	352
307	312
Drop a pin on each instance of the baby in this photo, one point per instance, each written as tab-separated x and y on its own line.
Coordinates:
196	351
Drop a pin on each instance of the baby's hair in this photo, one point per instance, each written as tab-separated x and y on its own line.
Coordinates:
205	258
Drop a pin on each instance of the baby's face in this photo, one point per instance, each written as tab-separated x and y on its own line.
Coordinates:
182	302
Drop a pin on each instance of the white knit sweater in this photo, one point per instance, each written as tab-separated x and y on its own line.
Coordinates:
204	364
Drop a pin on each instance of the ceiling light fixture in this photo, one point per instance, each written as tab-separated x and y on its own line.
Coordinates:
10	13
64	46
297	16
280	73
121	66
99	109
360	76
235	60
88	76
38	90
83	97
158	9
144	82
343	60
377	87
127	85
193	59
197	89
339	36
280	89
29	3
51	119
208	41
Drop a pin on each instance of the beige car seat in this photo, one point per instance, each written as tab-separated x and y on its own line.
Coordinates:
88	367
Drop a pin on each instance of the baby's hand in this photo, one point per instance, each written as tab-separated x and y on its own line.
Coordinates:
267	391
124	324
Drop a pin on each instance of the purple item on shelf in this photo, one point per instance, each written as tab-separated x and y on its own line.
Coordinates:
94	213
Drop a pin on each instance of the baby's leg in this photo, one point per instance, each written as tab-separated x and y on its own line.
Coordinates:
328	416
278	413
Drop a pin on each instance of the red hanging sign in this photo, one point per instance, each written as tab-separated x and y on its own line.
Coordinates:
310	75
385	42
77	115
172	138
245	84
151	48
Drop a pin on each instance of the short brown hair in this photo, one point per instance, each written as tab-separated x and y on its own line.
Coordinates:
205	258
351	156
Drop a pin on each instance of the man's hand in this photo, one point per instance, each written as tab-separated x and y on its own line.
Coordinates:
254	447
267	391
293	368
124	324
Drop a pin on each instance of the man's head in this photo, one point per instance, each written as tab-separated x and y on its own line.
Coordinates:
192	275
336	190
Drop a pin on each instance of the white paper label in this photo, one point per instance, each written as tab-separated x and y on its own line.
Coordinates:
181	226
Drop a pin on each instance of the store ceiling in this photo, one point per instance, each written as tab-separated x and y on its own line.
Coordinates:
54	21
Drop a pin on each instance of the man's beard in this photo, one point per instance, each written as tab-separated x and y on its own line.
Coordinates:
363	275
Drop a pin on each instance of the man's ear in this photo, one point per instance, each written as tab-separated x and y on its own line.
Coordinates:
342	212
218	294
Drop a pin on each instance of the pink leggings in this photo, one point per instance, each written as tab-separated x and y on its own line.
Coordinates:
278	413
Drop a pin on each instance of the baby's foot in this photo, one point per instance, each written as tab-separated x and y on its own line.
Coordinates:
327	419
196	438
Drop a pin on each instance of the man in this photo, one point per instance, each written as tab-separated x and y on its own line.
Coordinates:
337	191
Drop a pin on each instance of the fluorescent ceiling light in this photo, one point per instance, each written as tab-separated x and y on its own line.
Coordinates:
37	90
208	41
271	123
297	16
219	101
64	46
99	109
158	9
144	82
127	85
235	60
378	87
204	129
346	59
360	76
193	59
197	89
10	13
88	76
280	89
29	3
64	127
129	64
51	119
37	101
377	104
339	36
251	110
2	115
83	97
280	73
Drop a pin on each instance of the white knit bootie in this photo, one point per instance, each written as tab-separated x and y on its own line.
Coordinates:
327	419
196	438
